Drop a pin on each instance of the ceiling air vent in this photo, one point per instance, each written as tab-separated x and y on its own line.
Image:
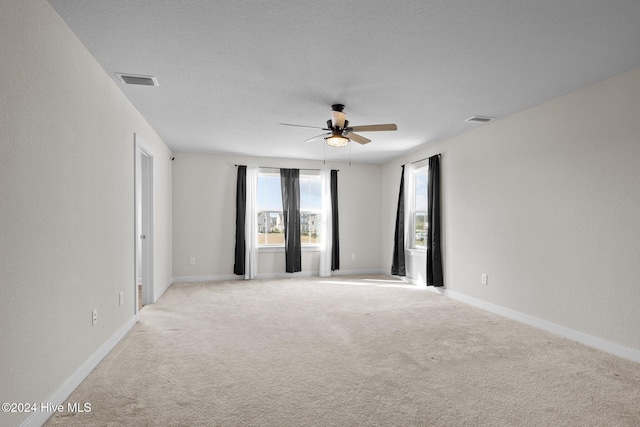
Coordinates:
480	119
133	79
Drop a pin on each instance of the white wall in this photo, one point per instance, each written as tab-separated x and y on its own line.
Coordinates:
67	208
547	203
204	191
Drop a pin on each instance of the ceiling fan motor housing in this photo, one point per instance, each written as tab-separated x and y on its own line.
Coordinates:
337	128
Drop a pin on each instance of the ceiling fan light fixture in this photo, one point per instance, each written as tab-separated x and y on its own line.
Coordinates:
337	140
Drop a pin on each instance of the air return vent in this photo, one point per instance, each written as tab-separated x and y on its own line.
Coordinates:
480	119
134	79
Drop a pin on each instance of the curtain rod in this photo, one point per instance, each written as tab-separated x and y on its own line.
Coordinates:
302	169
426	158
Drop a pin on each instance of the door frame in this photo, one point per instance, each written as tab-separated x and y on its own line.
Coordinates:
143	222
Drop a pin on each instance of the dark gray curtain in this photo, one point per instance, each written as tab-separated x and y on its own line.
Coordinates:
241	208
434	252
290	185
398	263
335	236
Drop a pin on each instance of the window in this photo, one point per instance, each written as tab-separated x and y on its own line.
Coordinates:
269	205
418	239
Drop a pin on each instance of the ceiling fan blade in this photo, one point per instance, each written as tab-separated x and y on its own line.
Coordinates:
337	119
373	128
303	126
317	136
357	138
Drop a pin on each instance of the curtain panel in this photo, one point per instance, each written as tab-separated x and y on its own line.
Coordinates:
246	249
241	209
326	224
290	186
330	244
398	267
434	251
251	224
335	229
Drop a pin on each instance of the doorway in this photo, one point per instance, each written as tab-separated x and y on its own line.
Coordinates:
144	289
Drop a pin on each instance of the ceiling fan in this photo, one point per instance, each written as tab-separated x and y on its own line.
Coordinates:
340	133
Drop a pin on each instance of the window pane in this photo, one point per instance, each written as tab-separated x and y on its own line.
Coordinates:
420	196
310	203
310	197
270	228
270	222
420	229
309	231
269	193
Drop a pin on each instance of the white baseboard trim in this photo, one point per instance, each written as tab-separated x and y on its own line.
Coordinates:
58	397
179	279
581	337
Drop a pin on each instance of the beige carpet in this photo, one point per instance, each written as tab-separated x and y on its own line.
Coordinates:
346	351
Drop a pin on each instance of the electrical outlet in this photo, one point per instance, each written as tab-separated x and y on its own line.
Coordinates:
484	278
192	261
94	317
121	298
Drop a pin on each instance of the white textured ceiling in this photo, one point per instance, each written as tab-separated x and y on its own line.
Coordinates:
230	71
